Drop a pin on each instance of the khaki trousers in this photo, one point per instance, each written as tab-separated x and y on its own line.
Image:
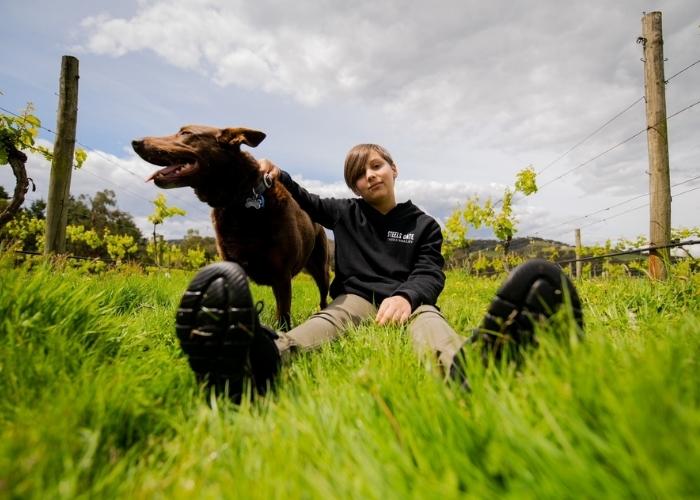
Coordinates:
429	330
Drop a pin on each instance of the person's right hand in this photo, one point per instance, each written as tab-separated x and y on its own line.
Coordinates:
395	309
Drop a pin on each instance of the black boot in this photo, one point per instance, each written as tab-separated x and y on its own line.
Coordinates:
220	332
533	292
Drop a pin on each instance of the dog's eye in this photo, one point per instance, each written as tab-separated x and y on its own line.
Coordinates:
184	132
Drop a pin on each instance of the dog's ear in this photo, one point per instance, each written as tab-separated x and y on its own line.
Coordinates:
238	136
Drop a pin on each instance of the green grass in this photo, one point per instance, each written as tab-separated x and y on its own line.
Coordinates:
97	400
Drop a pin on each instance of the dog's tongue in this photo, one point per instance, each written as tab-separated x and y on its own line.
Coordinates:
164	171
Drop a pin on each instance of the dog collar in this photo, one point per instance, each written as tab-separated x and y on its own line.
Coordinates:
257	201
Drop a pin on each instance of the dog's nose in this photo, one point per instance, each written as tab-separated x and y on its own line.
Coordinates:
136	143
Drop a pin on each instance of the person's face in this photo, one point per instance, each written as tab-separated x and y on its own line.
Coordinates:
376	186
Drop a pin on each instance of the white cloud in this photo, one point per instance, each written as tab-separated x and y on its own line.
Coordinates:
466	92
219	39
439	199
517	78
124	176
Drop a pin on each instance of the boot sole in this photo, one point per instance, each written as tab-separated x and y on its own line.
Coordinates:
215	325
532	292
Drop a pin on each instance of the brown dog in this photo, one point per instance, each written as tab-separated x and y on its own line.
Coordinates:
257	223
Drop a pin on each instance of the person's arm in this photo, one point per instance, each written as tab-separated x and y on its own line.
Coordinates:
325	211
423	285
426	281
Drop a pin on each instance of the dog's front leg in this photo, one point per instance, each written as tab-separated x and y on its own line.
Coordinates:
283	296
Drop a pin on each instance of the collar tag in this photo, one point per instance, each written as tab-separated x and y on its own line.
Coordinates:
256	201
267	181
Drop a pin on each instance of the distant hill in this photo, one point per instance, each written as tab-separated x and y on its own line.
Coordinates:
527	246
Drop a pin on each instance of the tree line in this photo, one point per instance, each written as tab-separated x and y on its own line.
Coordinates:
98	229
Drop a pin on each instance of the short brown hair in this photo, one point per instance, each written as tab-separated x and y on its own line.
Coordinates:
356	162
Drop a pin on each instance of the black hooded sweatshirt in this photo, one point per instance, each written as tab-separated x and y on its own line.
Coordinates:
378	255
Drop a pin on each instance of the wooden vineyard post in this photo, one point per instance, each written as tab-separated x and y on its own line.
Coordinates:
62	164
579	264
657	140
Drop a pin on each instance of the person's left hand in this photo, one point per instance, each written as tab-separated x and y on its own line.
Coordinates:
394	309
269	168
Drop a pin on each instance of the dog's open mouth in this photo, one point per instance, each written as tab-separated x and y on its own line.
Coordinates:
174	175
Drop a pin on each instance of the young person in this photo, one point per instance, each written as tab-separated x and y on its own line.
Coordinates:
388	269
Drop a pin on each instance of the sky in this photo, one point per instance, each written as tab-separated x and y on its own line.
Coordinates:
464	94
